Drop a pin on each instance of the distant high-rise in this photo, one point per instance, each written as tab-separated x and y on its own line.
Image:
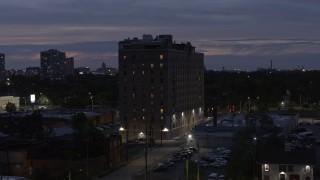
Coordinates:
55	65
2	66
161	86
69	66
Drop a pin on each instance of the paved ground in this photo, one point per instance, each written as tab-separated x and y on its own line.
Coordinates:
136	168
178	172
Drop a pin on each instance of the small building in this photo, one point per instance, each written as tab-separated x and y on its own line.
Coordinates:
287	165
4	100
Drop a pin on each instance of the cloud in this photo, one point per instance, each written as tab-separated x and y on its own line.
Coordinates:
261	47
216	27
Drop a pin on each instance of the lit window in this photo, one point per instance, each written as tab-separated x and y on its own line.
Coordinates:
151	95
266	167
143	110
142	72
133	95
161	111
133	72
161	65
161	56
124	57
151	66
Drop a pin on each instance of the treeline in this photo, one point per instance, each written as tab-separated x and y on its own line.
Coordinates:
222	89
264	88
73	92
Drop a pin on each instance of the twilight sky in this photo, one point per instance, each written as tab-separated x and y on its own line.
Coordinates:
243	34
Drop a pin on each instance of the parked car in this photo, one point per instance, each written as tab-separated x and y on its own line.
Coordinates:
160	167
213	176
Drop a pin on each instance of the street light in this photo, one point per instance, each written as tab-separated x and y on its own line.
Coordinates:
163	130
146	152
198	172
254	156
249	105
91	97
121	129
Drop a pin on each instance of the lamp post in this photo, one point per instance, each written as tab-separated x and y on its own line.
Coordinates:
254	156
121	129
163	130
146	153
249	108
91	97
187	162
198	172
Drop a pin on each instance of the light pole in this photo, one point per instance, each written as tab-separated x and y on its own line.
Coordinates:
126	129
254	156
146	153
198	174
249	108
163	130
91	97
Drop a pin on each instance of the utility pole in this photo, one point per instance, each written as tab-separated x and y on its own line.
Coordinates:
146	153
198	174
127	138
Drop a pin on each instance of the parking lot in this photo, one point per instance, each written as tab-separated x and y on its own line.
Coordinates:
314	127
175	166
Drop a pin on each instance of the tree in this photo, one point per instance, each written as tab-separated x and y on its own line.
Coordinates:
11	107
80	123
31	125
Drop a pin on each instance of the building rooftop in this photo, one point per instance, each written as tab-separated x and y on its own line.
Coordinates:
306	156
160	42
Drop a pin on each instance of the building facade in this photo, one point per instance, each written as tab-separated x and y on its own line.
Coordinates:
32	71
161	86
68	66
288	165
55	65
4	100
2	67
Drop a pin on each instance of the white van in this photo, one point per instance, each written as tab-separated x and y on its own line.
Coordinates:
213	176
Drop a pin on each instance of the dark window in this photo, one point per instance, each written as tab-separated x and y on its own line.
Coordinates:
266	177
290	168
282	168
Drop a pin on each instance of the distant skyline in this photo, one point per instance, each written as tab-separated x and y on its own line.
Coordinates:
242	34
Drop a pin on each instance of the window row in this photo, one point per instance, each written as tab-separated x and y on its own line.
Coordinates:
133	57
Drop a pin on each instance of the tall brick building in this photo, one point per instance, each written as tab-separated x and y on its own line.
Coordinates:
161	86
